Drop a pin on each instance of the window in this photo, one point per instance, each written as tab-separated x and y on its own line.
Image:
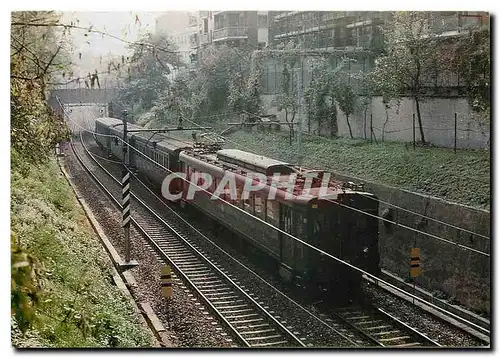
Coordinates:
215	183
287	219
259	206
300	225
262	21
271	213
248	204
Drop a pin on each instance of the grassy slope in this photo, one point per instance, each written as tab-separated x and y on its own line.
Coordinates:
79	305
463	177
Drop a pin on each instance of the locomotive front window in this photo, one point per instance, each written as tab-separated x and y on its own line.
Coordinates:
259	206
271	211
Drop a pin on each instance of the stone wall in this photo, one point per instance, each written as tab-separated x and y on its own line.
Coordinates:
437	116
82	95
457	272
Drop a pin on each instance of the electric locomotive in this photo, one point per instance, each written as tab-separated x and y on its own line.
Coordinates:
321	219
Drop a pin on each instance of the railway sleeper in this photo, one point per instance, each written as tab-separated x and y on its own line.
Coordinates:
258	332
238	311
406	345
269	344
247	321
384	333
211	294
223	298
399	338
358	317
264	338
242	316
199	274
369	322
220	289
220	304
207	287
378	327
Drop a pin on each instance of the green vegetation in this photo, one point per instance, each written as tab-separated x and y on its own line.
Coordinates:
62	293
61	286
463	177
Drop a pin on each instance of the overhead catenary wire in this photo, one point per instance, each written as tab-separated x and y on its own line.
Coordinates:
283	232
423	232
373	277
227	254
427	217
412	229
399	176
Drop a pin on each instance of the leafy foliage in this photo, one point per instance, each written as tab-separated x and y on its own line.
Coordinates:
65	297
24	285
37	55
414	54
329	87
287	97
225	80
431	170
147	71
472	59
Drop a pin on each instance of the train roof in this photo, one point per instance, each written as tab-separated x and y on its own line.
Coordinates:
162	141
256	162
109	121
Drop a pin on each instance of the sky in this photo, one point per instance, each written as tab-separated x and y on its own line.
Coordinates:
122	24
93	51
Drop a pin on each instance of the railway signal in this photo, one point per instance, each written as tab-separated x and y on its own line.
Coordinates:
126	197
415	269
166	281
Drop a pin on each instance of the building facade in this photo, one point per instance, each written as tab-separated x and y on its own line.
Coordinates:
181	28
234	28
353	30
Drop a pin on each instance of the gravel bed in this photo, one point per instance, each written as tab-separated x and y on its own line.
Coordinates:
313	331
183	316
443	333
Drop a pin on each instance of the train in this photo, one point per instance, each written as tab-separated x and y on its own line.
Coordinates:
315	218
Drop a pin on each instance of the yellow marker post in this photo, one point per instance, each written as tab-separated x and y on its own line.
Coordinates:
415	269
166	281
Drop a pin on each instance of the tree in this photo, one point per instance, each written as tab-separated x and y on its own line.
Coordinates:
38	55
226	78
327	82
374	83
413	54
244	86
287	98
346	99
148	69
472	61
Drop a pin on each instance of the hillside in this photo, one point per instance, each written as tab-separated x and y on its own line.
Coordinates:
62	292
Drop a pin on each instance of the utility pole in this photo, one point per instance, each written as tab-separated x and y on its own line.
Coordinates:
126	197
299	109
299	130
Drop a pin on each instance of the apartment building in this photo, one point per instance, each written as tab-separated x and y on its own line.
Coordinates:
181	28
353	30
235	28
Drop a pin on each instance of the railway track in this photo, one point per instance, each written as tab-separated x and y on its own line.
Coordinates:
479	326
383	329
249	320
250	323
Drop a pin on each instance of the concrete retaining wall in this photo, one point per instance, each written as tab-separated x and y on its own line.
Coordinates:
459	273
437	117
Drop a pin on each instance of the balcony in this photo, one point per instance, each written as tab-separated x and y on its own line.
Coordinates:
230	33
204	39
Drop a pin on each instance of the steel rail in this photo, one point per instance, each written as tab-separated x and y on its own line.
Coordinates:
200	255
